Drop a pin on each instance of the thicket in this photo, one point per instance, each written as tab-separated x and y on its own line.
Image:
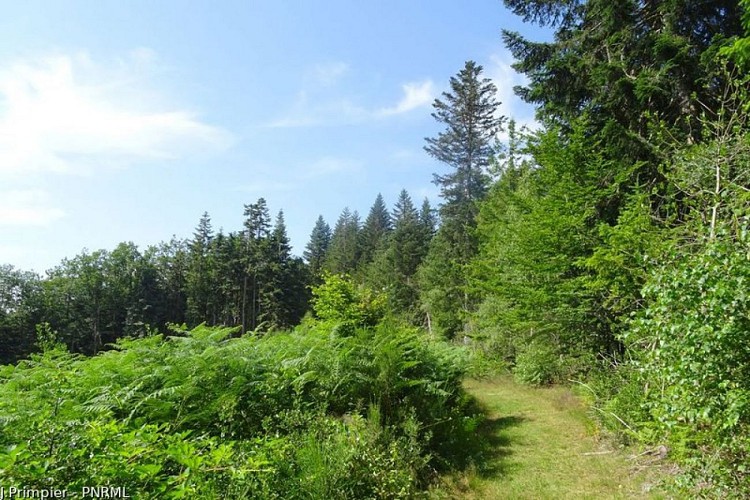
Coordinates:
613	247
320	412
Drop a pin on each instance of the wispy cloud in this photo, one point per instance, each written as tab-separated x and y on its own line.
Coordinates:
306	112
505	78
416	95
328	74
322	102
27	208
68	114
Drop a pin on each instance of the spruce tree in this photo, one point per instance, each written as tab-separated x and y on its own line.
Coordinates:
200	286
375	229
469	113
427	220
256	263
283	297
317	248
343	253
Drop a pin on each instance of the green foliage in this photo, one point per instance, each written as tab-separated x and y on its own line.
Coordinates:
394	268
339	302
374	231
344	253
469	113
442	283
537	228
287	415
695	355
537	364
317	248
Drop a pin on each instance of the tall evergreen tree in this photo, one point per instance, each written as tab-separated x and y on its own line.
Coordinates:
343	254
618	62
276	297
256	264
469	113
407	247
375	229
200	280
317	248
427	220
636	72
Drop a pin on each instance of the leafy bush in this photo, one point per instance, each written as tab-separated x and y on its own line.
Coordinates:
338	302
695	357
538	364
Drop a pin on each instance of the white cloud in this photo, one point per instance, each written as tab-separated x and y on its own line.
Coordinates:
67	114
27	208
416	95
505	78
316	104
307	112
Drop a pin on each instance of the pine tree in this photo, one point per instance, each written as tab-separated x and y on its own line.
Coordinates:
395	265
469	113
616	61
256	263
283	296
427	220
317	248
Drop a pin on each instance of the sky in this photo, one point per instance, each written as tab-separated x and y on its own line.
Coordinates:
125	121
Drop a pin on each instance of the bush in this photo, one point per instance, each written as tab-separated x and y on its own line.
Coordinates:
537	364
694	357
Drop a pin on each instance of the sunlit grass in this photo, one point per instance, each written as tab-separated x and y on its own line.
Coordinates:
541	444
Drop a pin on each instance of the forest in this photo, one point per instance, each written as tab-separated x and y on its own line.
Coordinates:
608	249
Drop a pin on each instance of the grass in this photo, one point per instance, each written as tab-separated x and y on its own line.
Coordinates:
539	443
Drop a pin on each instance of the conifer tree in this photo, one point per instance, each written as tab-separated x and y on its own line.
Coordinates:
200	282
343	253
375	229
469	113
317	248
283	297
427	220
257	226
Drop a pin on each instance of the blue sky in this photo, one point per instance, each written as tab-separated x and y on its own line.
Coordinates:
125	121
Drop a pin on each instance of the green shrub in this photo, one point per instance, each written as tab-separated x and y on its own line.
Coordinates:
340	303
694	357
537	364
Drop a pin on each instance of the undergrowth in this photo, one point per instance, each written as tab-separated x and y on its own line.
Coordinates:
202	414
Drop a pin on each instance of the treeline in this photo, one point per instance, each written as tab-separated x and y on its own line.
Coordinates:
248	278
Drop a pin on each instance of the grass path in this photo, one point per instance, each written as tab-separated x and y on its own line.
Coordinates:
542	445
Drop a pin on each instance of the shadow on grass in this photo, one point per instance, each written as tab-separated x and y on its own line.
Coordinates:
484	446
495	445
